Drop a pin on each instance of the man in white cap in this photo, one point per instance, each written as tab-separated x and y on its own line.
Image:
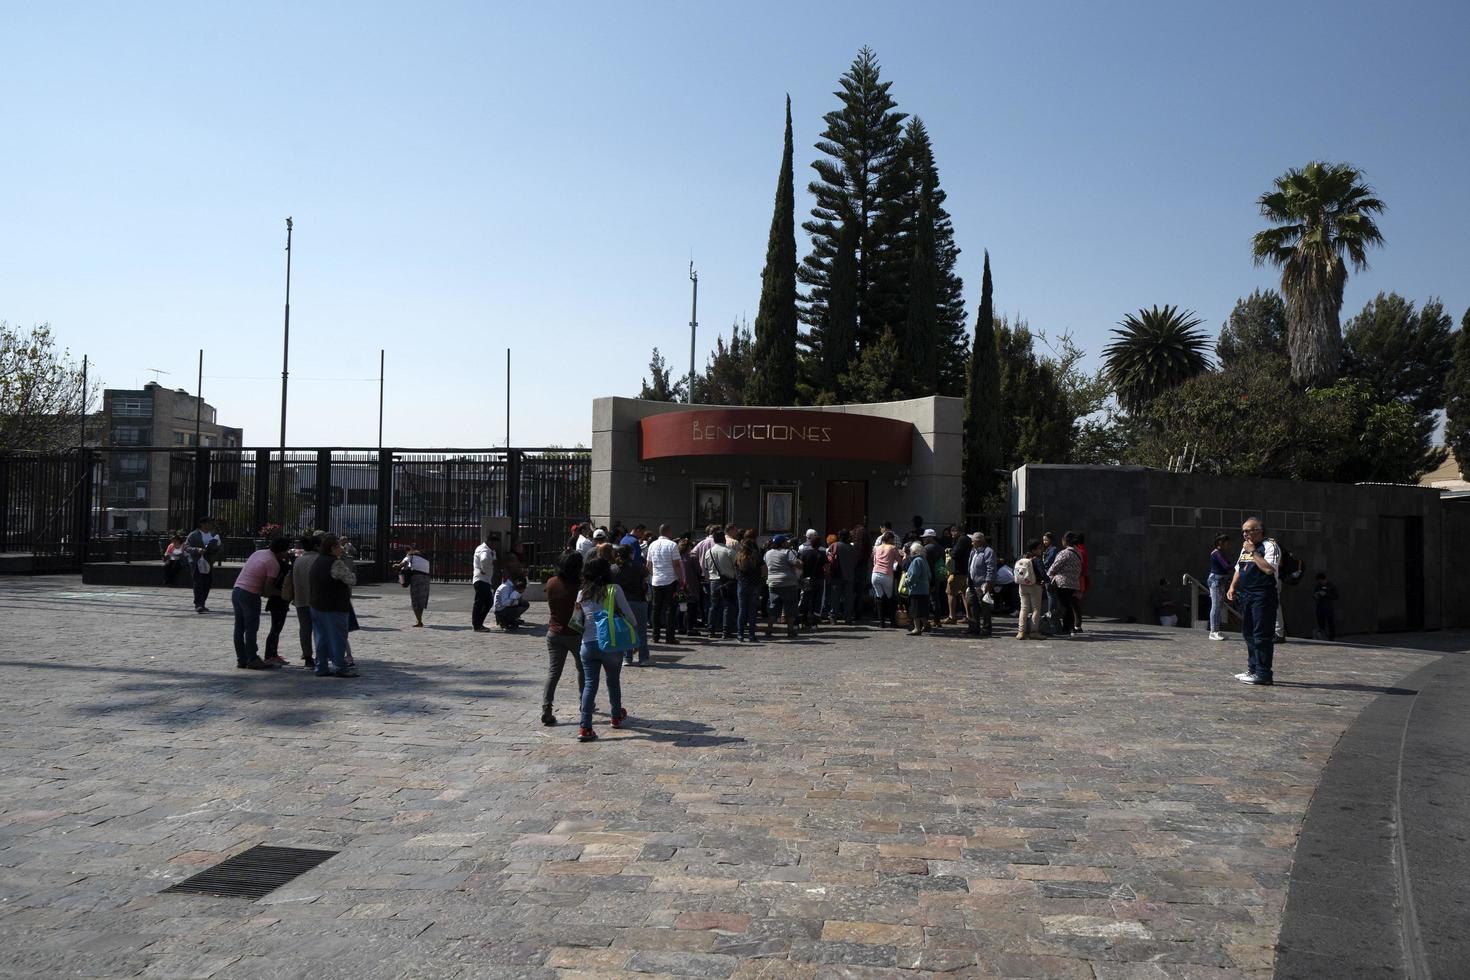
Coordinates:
813	578
934	558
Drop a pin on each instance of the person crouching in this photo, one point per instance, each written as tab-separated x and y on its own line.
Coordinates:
509	604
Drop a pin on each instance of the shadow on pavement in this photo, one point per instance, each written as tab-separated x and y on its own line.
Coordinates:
1365	688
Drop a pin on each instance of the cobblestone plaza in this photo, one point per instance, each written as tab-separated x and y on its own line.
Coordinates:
855	804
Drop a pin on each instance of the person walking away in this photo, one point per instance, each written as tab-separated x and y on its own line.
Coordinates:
982	585
174	557
597	585
1324	594
920	579
1084	581
844	566
1254	585
813	562
632	578
332	579
299	587
561	637
750	575
509	606
416	569
1028	584
1065	574
1221	571
885	589
701	548
783	576
262	566
719	570
203	545
482	580
276	603
958	584
665	569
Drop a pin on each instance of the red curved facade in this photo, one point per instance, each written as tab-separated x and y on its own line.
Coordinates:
775	432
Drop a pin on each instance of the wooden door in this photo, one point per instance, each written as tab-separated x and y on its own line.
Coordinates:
847	504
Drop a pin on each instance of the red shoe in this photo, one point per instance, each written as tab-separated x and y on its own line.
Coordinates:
586	735
619	718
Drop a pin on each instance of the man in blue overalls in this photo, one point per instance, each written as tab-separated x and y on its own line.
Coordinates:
1254	583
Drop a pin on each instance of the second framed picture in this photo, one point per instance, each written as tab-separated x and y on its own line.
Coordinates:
778	510
711	505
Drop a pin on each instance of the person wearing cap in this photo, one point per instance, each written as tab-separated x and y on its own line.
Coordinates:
813	559
938	577
783	577
599	538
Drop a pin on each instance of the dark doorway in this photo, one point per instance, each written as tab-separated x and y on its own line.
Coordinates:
847	504
1400	566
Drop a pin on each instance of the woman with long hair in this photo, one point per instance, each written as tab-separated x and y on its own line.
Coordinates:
597	583
885	559
561	639
750	572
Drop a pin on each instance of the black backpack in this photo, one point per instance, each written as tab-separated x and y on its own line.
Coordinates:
1292	568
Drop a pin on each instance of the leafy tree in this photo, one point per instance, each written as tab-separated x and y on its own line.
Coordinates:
1457	399
40	391
1257	325
660	386
1097	434
1398	352
1378	441
876	375
774	379
982	446
858	146
1321	214
1035	424
1155	350
728	372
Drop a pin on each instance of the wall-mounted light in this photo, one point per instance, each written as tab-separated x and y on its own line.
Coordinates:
647	472
902	479
745	483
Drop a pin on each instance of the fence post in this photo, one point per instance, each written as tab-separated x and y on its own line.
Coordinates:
513	497
385	512
4	501
83	523
323	489
202	484
263	490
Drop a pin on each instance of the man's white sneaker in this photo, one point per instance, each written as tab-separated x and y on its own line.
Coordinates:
1217	636
1244	677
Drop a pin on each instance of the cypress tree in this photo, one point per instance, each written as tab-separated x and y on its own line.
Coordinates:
858	145
1457	399
774	378
982	404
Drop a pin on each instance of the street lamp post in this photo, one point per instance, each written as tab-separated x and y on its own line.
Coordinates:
693	326
285	365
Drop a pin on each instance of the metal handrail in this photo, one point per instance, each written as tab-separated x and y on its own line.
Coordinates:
1195	588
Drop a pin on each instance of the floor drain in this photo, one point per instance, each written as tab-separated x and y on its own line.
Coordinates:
253	873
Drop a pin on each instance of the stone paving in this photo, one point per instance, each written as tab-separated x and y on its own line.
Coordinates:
858	804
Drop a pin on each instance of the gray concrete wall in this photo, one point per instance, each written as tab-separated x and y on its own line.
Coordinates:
1143	525
622	492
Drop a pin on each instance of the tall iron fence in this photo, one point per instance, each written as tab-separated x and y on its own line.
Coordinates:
123	504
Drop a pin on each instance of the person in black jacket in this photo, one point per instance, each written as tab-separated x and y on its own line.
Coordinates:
332	579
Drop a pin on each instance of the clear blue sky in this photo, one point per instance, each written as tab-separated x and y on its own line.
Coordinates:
467	177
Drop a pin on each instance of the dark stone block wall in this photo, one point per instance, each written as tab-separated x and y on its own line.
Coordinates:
1144	524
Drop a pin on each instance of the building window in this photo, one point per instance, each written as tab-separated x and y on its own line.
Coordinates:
133	407
141	491
131	464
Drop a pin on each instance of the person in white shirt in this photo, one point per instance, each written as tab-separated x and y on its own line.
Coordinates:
667	571
585	546
719	571
509	606
484	583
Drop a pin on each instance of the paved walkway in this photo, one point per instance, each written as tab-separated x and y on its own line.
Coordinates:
860	804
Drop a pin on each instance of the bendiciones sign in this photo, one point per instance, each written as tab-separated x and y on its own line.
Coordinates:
775	432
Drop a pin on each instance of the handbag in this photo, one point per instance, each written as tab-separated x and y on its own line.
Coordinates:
903	584
403	579
614	634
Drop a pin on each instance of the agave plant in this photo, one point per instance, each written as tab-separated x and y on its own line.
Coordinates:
1321	213
1155	350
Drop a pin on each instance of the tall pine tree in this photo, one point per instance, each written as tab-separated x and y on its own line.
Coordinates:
858	145
920	325
774	379
839	351
982	448
1457	399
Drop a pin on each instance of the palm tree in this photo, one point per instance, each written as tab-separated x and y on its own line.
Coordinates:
1155	350
1321	213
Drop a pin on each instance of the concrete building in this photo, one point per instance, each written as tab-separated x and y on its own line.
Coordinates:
136	491
779	470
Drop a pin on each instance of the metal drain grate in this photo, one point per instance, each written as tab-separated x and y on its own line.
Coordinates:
253	873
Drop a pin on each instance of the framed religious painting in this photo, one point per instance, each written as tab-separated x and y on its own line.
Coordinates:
778	510
711	505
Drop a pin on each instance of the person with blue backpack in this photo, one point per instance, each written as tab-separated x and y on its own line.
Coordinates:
607	634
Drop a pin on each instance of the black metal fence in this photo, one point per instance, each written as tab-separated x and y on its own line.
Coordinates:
122	504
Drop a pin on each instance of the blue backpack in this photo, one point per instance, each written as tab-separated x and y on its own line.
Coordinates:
614	634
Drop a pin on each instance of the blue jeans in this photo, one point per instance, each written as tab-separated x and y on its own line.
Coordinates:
330	631
748	599
1217	585
1258	626
839	599
594	660
247	623
640	617
722	608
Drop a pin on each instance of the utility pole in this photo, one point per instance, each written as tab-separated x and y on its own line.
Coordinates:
82	439
693	327
381	361
285	364
507	398
199	398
